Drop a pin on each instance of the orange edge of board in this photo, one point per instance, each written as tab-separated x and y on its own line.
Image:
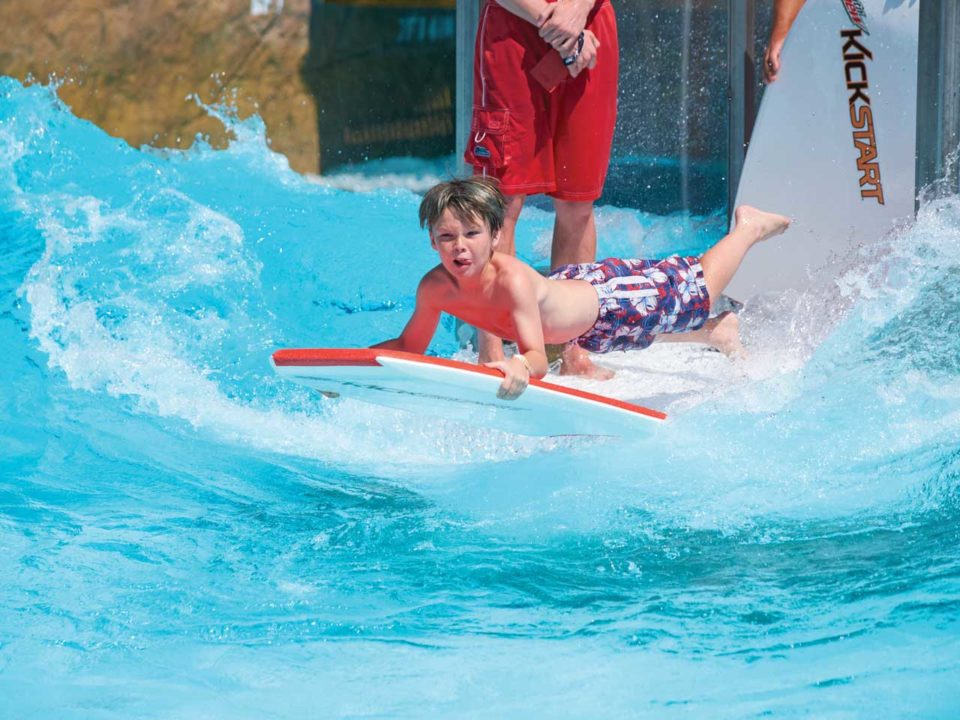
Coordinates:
320	357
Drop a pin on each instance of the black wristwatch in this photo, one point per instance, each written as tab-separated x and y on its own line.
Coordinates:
571	59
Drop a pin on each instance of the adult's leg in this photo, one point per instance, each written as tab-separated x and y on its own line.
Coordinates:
574	233
585	112
490	346
575	241
504	104
510	217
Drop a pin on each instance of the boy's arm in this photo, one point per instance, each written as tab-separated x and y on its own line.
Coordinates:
531	357
421	326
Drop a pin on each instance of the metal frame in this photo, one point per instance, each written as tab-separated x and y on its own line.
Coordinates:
938	99
468	18
741	90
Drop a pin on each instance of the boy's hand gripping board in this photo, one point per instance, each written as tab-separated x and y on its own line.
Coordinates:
434	387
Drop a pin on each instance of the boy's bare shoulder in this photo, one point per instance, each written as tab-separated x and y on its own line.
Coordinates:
435	282
516	275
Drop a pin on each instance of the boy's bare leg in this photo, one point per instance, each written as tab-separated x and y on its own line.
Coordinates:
750	227
490	346
575	241
719	265
721	332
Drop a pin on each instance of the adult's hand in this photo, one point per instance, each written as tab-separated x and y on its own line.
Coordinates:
587	59
771	60
784	13
562	22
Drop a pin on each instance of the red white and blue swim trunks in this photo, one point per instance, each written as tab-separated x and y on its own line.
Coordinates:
640	299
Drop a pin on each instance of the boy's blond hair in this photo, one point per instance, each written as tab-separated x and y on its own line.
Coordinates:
474	198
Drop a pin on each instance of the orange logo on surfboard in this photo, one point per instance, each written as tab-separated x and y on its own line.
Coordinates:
855	55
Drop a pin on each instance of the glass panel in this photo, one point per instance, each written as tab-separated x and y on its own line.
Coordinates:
763	19
382	73
670	147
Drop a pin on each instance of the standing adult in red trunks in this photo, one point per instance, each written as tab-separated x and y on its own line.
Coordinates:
544	110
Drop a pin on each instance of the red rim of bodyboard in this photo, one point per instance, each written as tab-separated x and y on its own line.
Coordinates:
320	357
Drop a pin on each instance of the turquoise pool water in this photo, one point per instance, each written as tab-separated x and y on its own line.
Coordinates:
184	536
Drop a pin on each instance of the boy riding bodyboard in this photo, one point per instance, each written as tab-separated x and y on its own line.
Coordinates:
613	304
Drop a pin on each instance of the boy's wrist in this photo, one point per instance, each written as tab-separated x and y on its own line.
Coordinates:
525	362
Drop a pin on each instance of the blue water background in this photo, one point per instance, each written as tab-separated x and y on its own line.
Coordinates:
182	535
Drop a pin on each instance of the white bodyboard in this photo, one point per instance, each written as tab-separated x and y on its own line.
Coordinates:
834	142
437	388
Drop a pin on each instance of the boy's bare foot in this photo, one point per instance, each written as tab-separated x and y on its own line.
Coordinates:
576	361
763	224
723	333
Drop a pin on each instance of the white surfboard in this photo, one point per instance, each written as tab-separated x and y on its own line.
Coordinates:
834	142
438	388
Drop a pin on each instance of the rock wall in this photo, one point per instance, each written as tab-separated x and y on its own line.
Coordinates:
129	65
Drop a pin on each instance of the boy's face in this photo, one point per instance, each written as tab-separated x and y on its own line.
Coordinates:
465	245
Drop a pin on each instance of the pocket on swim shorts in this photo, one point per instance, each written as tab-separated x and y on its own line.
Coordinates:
486	147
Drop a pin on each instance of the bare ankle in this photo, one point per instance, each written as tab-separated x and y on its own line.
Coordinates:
723	334
576	361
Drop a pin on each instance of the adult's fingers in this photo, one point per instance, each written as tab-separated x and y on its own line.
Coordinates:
591	38
565	45
561	40
771	64
587	57
546	15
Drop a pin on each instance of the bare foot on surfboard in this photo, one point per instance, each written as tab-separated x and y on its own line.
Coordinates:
764	225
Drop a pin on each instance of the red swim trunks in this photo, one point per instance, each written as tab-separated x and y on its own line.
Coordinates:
534	140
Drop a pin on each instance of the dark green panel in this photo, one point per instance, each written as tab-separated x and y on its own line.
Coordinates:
384	81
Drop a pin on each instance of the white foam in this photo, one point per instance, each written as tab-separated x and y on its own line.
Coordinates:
145	359
401	173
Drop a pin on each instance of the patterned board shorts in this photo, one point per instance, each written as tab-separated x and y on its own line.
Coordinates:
640	299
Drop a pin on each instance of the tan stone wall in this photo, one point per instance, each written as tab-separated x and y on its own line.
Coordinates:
129	66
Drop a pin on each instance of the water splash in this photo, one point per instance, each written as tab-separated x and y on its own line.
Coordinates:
788	541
